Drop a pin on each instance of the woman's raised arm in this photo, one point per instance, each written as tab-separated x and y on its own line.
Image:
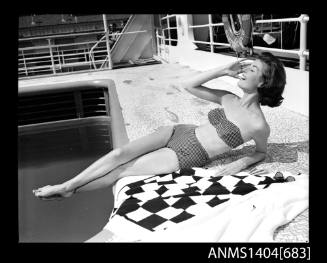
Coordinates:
194	84
213	95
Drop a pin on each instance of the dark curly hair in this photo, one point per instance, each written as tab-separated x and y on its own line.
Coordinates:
274	80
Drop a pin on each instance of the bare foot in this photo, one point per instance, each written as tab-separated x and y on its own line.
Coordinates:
52	192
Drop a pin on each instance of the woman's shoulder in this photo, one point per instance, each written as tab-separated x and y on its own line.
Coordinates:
260	126
230	97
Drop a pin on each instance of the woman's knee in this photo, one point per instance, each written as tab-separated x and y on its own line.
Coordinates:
118	153
139	147
123	154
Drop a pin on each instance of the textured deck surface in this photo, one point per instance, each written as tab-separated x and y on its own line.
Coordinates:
150	98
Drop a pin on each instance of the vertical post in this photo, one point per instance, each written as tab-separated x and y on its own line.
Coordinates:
261	27
164	40
168	28
51	56
153	34
210	33
107	39
24	63
165	48
281	35
303	40
158	44
158	38
58	56
85	52
62	57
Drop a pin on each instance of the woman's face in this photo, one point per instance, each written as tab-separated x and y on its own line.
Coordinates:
252	79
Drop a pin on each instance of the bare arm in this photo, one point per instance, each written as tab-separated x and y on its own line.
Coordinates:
260	138
194	84
205	93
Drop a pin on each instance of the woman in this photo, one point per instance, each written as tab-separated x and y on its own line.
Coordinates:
174	147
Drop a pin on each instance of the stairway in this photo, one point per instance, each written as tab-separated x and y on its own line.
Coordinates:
135	46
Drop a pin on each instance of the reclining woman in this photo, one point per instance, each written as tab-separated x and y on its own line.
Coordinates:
171	148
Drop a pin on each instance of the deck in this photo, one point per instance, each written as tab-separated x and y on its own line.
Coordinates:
149	98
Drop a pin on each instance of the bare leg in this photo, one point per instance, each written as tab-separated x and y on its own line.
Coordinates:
108	162
160	161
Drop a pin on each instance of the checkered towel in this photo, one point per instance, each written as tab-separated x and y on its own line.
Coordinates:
161	201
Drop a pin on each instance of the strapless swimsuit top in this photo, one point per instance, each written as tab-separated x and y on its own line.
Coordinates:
226	130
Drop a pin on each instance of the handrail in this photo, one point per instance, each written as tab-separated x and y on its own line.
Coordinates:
56	45
55	55
91	56
262	21
167	16
53	58
129	21
102	39
295	19
205	25
106	59
174	27
33	58
213	43
62	35
302	52
94	46
172	39
126	33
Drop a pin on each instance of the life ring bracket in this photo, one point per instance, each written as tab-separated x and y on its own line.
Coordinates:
240	40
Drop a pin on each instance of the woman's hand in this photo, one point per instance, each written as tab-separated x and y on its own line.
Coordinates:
230	169
236	68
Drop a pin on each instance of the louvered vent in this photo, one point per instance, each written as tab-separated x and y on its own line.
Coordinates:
56	106
94	103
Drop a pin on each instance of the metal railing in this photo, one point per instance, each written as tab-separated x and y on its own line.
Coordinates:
168	29
92	52
103	40
59	58
302	52
161	43
50	59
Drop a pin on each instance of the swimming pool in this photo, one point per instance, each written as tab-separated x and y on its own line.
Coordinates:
50	152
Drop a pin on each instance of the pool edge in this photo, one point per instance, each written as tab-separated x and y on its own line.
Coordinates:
118	129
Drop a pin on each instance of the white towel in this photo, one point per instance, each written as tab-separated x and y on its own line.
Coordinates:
244	218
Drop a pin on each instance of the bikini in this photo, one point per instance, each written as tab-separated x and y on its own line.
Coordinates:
226	130
190	152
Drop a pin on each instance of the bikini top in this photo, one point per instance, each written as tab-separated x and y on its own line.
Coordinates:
226	130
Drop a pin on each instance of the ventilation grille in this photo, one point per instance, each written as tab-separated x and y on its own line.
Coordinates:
33	109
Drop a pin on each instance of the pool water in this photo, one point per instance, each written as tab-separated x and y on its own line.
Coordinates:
52	157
